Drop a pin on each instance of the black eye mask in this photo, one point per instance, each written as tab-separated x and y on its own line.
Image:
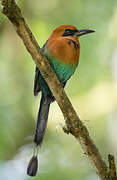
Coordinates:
69	32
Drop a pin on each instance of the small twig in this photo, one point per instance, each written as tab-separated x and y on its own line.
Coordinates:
112	167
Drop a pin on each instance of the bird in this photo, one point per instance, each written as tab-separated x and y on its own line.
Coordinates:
62	50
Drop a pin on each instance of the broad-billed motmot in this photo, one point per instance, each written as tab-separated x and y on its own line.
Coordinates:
62	50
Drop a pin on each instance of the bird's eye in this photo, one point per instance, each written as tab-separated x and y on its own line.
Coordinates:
68	30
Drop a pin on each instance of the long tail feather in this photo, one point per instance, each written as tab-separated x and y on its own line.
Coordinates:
42	119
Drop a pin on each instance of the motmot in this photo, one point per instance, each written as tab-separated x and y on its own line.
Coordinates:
62	50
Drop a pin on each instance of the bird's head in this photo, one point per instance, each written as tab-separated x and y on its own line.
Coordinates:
64	44
69	31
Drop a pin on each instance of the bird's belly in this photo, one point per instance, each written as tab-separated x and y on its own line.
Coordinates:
63	72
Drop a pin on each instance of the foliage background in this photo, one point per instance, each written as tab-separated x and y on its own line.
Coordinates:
92	90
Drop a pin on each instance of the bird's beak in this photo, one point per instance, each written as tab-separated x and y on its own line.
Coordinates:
83	31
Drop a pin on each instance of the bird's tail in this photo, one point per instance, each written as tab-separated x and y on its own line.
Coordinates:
42	119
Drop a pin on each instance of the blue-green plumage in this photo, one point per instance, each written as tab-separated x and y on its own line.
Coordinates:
63	72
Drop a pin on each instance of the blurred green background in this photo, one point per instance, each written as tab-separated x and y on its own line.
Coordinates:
92	91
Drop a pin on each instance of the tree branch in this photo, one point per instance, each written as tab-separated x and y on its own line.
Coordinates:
73	123
112	167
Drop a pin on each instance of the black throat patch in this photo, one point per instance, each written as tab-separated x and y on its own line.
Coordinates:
72	41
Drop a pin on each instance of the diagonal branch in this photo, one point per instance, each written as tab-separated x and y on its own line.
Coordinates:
112	167
73	123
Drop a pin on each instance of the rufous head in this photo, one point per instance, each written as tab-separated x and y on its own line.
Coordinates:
69	31
63	43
